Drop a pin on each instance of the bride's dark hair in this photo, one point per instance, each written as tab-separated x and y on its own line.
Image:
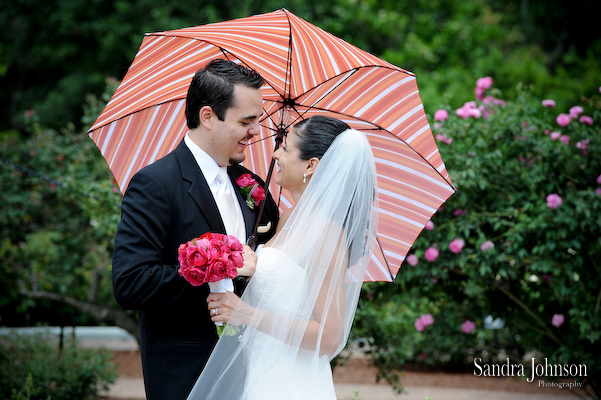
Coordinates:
316	134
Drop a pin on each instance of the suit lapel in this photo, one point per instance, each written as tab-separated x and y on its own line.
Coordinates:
199	189
249	215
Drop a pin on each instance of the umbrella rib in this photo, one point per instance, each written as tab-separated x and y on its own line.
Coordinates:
392	277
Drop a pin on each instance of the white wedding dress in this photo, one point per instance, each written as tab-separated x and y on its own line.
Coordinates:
274	370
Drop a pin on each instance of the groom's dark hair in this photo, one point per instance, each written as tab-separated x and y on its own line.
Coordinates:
316	134
213	85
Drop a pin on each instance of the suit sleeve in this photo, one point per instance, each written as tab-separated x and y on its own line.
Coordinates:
140	277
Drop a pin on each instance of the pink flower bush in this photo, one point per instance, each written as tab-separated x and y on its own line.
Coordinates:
469	109
430	224
412	260
554	201
444	139
456	245
441	115
487	245
482	84
585	119
431	253
468	326
423	321
563	119
557	320
548	103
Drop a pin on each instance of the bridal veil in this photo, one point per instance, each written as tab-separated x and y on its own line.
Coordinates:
320	255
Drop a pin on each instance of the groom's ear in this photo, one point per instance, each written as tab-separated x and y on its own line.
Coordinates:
205	116
312	165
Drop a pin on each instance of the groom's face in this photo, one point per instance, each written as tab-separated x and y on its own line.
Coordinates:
240	125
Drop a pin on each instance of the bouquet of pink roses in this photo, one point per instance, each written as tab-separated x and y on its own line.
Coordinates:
212	258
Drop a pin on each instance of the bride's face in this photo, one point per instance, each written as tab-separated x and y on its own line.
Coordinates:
290	167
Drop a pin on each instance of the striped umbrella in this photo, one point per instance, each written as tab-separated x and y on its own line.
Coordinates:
307	72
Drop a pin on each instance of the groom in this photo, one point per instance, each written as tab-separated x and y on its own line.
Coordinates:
173	201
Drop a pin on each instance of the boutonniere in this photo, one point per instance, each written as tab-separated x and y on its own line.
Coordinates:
251	190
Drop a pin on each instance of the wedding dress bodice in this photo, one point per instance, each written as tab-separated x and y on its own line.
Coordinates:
274	369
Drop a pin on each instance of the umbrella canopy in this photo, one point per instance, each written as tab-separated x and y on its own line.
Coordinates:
307	72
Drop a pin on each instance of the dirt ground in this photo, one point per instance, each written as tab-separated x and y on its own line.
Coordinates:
359	371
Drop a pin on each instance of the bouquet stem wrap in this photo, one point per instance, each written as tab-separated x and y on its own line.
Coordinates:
222	286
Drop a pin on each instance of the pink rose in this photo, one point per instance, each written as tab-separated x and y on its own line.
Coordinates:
548	103
456	245
557	320
244	180
431	253
565	139
487	246
468	326
583	144
598	191
599	179
412	260
585	119
194	275
430	224
484	83
419	325
555	135
457	212
563	119
441	115
479	92
575	111
554	201
427	319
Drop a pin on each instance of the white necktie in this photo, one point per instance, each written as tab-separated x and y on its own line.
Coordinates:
228	209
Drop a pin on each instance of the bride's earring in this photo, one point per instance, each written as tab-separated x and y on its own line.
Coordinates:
304	178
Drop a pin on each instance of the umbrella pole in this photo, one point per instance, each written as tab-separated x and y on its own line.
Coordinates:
254	238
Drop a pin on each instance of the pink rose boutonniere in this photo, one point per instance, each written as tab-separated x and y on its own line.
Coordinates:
251	190
212	258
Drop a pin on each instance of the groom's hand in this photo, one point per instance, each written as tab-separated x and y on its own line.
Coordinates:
250	262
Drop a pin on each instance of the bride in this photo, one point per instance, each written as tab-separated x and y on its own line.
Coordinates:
298	308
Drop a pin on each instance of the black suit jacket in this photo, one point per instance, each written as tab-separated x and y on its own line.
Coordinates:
168	203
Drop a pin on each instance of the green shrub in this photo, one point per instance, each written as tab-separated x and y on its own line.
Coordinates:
531	190
33	367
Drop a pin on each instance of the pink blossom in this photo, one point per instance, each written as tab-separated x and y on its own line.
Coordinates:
456	245
563	119
437	125
548	103
430	224
431	253
484	82
458	212
575	111
554	201
479	92
557	320
565	139
555	135
487	245
585	119
419	325
599	179
468	326
547	131
462	113
441	115
582	145
598	191
427	319
412	260
469	109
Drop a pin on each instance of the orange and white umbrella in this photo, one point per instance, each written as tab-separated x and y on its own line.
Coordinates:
307	72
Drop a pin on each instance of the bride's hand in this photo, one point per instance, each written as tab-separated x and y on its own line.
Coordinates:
224	304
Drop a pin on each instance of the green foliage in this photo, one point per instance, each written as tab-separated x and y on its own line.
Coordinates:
33	367
52	54
545	261
61	210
